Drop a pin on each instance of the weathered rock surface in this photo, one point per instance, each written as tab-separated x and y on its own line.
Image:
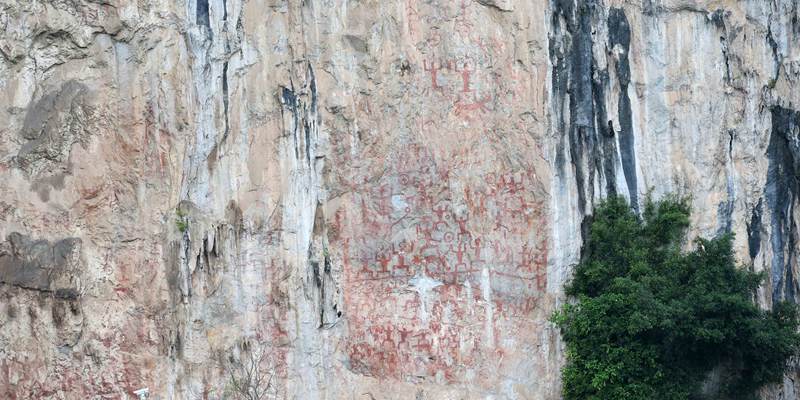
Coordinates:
383	199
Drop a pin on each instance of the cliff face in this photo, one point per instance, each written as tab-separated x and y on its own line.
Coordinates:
382	199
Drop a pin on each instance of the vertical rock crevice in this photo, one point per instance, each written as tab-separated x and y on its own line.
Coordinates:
781	193
225	100
726	207
718	19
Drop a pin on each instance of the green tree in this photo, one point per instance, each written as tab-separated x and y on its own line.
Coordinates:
649	321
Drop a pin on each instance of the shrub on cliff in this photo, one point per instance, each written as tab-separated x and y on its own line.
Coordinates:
250	369
652	322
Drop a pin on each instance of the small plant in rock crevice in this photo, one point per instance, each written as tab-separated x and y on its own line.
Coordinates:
181	220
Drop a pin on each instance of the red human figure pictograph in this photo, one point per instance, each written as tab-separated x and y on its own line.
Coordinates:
384	262
400	252
465	71
434	71
462	226
465	80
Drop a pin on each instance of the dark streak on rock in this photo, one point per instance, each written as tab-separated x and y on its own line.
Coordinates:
782	190
619	34
754	230
493	4
558	55
316	275
67	294
177	345
718	19
307	131
202	14
308	124
775	56
304	114
289	99
726	208
313	87
579	85
225	99
607	161
581	101
725	214
724	43
571	56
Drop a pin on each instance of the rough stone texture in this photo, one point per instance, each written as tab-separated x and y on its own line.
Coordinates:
384	197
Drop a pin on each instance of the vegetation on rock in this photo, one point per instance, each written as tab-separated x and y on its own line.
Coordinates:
650	321
250	369
181	220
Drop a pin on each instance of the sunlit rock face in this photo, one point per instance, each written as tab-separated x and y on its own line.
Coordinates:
383	199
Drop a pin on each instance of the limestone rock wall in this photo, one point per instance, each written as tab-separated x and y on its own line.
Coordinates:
379	199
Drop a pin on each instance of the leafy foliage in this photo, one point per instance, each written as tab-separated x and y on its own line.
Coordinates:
653	322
